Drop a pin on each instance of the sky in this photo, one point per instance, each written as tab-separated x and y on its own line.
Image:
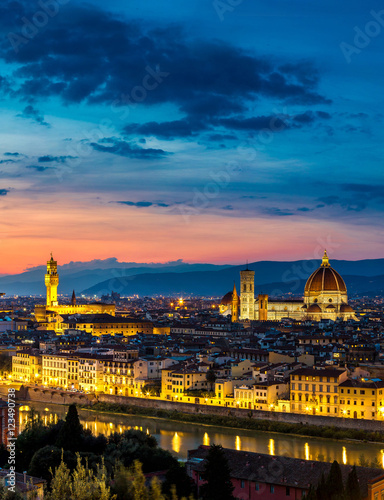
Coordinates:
209	131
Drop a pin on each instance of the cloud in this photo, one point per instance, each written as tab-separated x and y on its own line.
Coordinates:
31	113
366	190
349	204
58	159
128	150
167	130
7	161
305	209
4	192
274	211
130	63
273	122
13	154
39	168
142	204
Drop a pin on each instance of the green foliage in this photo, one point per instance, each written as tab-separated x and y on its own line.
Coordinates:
82	484
177	476
136	445
49	457
218	485
5	364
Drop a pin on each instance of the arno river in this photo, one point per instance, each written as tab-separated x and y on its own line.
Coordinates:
179	437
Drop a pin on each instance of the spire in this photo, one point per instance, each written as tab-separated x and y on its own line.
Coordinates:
325	262
73	299
51	256
234	291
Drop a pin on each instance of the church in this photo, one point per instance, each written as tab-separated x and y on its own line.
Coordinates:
325	297
48	315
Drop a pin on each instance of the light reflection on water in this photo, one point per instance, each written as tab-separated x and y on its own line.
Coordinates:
179	437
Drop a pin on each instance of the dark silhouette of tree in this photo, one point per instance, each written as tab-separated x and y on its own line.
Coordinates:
218	485
321	490
334	483
211	377
311	494
71	433
352	489
177	476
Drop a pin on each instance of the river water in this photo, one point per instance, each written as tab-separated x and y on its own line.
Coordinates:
179	437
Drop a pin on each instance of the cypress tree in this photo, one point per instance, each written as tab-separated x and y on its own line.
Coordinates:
334	483
353	487
217	475
71	433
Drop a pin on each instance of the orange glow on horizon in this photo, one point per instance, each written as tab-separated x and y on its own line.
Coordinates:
77	231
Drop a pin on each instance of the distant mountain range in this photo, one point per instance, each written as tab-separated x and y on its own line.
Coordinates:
173	278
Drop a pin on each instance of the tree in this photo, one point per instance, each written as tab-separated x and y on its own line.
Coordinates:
178	477
321	490
155	491
211	377
5	364
311	494
82	484
71	433
352	489
218	485
61	482
49	457
138	490
334	483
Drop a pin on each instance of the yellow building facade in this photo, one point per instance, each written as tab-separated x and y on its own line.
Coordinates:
48	315
316	391
27	367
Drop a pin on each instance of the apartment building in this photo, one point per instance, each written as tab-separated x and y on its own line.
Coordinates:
315	390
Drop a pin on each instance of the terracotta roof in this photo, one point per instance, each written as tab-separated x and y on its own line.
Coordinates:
279	470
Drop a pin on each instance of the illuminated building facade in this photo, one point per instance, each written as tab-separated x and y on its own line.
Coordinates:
316	391
27	366
49	315
325	297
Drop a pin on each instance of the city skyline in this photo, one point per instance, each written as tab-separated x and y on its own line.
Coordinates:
213	132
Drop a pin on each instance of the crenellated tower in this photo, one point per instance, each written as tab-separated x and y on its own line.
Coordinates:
52	282
247	294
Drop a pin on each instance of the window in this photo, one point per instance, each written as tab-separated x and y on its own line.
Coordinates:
257	486
287	491
242	483
272	488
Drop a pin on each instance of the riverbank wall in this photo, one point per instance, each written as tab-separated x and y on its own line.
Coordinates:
43	395
55	396
273	416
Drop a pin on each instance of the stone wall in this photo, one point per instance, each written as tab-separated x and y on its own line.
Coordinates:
55	396
290	418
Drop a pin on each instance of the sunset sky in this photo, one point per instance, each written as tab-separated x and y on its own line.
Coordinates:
204	130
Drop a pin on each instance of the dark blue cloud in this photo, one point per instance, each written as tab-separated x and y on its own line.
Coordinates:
128	150
58	159
167	130
4	192
128	63
7	161
13	154
143	204
31	113
39	168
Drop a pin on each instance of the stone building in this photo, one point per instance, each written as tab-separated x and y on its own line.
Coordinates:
325	297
